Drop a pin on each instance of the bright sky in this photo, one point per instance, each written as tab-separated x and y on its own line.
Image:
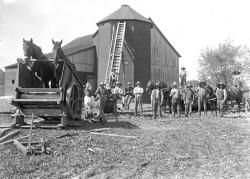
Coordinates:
190	25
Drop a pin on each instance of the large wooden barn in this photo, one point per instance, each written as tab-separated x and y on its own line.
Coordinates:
147	55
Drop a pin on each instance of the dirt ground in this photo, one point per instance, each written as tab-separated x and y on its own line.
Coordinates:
206	147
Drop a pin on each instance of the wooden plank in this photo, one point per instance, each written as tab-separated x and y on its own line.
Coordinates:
4	131
8	136
11	141
39	90
33	143
113	135
30	133
35	101
20	146
43	112
5	126
40	96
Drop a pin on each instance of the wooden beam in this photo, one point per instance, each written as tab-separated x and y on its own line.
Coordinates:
8	136
20	146
11	141
38	90
4	131
33	143
113	135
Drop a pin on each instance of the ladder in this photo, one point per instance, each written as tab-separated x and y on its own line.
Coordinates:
115	57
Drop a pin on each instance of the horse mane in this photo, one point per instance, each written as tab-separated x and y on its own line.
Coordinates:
38	50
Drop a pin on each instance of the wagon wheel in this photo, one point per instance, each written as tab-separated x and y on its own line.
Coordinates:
72	100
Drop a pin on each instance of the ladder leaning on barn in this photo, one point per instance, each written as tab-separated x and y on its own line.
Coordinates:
115	56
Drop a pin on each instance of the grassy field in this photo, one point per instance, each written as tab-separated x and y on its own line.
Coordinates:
206	147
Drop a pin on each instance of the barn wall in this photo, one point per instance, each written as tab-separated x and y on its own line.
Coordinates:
127	68
1	83
138	35
164	60
10	82
102	41
84	60
86	65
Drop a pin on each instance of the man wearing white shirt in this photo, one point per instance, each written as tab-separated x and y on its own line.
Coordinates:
138	91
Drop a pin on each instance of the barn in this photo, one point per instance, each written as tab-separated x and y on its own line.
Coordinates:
146	53
10	79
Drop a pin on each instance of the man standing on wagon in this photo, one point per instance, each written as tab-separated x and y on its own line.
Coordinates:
138	91
183	76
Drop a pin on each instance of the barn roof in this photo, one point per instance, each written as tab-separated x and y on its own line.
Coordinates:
14	65
164	37
78	44
125	13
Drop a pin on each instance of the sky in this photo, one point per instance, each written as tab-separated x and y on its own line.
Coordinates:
189	25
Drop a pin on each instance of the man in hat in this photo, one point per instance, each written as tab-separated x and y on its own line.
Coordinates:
183	76
156	100
236	79
117	92
221	94
202	97
101	95
138	91
176	100
188	100
128	95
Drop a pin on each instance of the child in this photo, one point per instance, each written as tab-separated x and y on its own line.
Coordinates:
188	100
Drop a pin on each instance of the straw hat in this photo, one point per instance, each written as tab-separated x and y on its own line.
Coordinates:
189	85
236	72
174	84
183	68
138	82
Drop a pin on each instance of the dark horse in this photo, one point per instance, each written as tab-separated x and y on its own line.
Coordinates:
235	94
42	68
59	59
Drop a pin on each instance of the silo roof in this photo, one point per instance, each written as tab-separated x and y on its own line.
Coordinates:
125	13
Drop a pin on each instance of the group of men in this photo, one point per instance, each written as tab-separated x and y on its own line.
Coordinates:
186	94
104	92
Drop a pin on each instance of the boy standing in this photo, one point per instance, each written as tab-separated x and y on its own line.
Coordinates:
176	99
188	100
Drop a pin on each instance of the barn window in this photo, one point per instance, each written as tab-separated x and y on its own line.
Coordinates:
13	81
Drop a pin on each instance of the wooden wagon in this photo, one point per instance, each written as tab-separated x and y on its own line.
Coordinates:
63	103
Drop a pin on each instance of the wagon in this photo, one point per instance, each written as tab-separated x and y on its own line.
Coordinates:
63	103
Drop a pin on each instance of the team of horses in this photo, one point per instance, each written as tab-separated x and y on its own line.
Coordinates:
49	72
234	94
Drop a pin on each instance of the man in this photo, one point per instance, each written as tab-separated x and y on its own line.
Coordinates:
117	92
138	91
128	95
188	100
176	99
101	95
156	100
221	94
202	97
236	79
183	76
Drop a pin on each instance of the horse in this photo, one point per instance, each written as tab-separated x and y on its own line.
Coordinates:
43	68
59	60
235	94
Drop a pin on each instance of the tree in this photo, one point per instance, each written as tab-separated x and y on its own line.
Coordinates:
217	64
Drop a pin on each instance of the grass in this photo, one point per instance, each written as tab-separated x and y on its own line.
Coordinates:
206	147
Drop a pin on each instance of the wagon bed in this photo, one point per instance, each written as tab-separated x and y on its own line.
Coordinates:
64	102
